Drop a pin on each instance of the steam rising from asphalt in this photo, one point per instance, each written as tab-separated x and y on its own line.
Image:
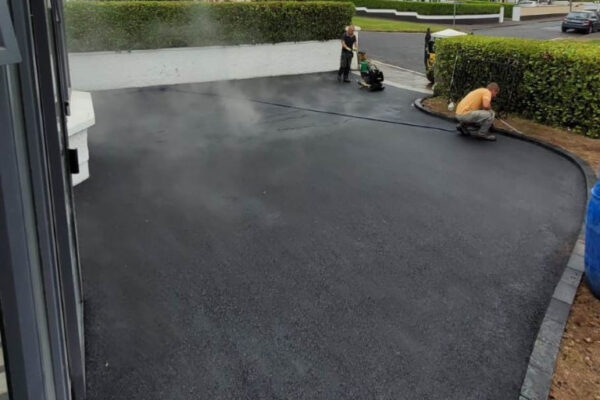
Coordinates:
223	114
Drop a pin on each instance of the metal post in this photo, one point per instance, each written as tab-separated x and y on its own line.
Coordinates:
454	16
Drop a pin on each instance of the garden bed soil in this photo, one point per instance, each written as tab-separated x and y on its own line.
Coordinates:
577	370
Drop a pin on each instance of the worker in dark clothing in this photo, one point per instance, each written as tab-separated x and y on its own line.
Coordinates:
428	47
348	45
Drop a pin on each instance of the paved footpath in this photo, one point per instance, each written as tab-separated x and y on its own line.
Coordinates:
402	78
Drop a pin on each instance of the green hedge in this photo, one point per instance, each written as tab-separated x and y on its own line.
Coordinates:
554	82
435	8
128	25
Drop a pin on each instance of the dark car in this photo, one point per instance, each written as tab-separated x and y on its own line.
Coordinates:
585	21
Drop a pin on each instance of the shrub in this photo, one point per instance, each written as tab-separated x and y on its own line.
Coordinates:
435	8
554	82
128	25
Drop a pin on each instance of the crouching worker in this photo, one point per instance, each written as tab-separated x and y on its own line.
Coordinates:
371	75
475	114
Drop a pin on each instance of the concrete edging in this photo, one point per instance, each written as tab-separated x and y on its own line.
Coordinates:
416	17
540	370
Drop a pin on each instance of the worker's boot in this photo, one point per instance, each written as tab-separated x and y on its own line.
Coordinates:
462	129
486	136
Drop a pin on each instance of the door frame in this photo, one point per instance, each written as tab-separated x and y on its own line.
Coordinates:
49	37
40	289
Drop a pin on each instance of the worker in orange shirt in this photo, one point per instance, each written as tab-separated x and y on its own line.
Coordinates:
474	112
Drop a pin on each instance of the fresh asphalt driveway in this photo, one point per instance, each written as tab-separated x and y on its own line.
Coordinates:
260	239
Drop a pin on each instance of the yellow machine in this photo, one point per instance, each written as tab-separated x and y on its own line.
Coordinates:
430	49
429	66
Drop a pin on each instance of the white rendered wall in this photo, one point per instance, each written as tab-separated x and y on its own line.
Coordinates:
430	18
139	68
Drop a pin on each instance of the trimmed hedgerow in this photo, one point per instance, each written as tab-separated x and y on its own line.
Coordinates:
553	82
423	8
129	25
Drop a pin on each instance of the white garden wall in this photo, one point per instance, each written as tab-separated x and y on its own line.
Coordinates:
139	68
411	15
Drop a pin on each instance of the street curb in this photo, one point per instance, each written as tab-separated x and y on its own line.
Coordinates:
538	377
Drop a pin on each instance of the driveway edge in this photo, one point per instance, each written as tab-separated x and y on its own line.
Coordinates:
540	370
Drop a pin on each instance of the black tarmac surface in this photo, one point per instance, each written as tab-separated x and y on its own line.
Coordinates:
239	250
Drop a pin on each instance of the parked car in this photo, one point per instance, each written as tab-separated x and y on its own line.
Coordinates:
585	21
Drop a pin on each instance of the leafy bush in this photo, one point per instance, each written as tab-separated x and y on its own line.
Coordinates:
128	25
554	82
435	8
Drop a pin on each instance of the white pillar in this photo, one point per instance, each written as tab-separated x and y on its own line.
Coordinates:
501	18
356	30
516	15
82	117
